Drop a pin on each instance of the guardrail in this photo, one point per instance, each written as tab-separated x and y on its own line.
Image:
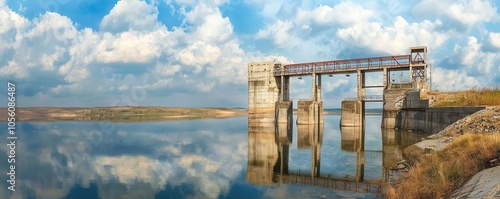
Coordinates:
343	66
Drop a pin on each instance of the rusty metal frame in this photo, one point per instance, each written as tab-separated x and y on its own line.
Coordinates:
344	66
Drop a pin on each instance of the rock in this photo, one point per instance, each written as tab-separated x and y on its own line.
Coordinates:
484	184
429	149
403	165
494	162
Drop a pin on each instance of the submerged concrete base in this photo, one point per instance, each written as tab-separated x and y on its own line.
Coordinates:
351	113
284	112
389	118
310	112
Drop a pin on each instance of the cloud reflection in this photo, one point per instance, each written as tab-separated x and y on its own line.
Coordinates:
138	159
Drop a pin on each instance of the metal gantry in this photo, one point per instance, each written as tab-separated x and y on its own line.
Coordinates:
344	66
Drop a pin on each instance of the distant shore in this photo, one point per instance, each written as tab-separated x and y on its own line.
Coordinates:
120	114
134	114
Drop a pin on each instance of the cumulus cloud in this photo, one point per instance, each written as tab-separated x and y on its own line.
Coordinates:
394	39
125	14
344	13
465	12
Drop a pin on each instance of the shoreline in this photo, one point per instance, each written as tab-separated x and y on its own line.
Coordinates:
121	113
133	113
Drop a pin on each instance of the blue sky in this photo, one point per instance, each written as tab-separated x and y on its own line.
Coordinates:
194	53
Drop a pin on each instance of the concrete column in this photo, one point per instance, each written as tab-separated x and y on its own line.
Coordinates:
385	78
361	84
318	92
282	97
314	86
411	72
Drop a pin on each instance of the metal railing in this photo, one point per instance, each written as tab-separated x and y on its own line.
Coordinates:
367	98
343	66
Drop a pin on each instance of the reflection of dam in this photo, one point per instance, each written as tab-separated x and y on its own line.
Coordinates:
268	157
268	150
311	136
333	183
351	138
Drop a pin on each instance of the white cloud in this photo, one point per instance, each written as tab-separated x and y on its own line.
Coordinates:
494	39
279	32
129	15
477	62
344	13
466	12
452	79
394	39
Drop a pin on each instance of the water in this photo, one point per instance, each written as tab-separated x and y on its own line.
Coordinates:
185	159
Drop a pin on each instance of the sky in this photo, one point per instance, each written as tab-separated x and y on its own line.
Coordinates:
195	53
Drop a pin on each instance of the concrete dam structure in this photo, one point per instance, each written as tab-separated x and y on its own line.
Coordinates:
269	88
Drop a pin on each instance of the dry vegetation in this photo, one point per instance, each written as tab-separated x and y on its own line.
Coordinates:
489	96
437	174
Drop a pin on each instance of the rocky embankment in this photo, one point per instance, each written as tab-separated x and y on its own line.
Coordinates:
484	121
485	184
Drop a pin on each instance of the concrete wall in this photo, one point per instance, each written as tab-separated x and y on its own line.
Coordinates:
432	120
310	112
394	97
262	92
351	111
416	115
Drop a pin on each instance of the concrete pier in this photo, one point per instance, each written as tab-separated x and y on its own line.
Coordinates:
351	112
310	112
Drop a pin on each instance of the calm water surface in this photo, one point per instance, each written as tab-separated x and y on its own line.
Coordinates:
216	158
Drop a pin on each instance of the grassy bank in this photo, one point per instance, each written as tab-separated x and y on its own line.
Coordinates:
437	174
474	97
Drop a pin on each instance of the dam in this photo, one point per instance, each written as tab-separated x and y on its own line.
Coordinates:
269	88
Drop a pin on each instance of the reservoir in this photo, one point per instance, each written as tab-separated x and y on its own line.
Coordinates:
210	158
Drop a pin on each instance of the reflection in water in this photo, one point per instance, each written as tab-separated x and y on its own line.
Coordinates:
193	159
311	137
269	158
353	139
188	159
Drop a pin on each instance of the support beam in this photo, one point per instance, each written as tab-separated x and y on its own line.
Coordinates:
318	91
314	87
385	78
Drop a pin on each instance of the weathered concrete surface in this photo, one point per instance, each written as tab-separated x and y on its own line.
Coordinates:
416	115
351	113
284	112
310	112
394	97
262	92
484	185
